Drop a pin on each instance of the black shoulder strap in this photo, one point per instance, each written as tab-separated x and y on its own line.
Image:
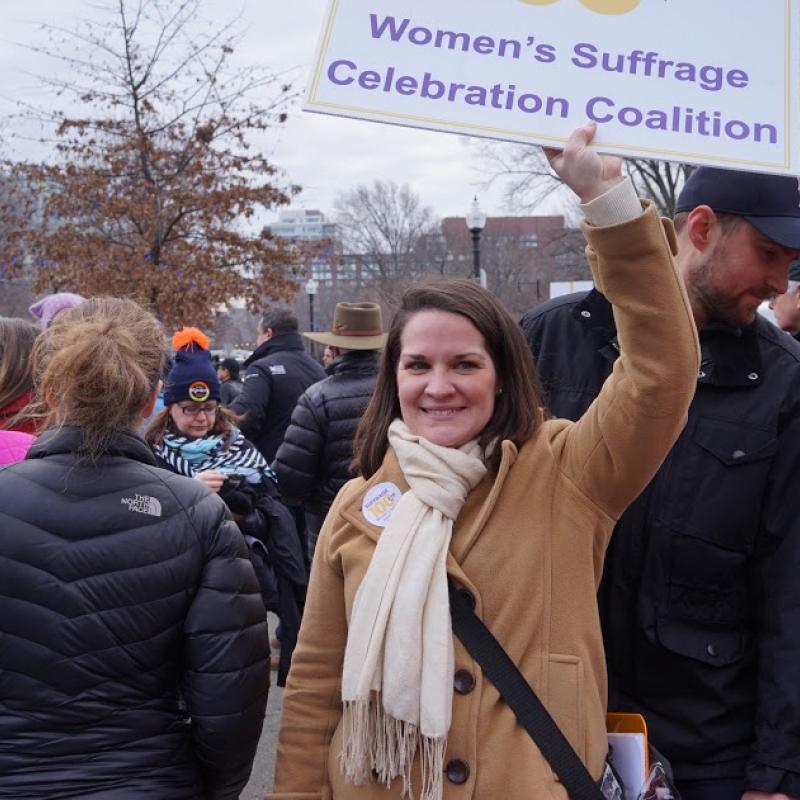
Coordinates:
522	700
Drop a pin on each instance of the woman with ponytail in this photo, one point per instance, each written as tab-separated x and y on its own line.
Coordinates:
133	638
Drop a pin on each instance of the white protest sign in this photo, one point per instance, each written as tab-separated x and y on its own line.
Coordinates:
703	81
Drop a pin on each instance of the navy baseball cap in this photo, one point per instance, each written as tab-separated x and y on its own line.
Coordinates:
770	203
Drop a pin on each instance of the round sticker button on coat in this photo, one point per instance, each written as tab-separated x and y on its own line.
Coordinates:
380	502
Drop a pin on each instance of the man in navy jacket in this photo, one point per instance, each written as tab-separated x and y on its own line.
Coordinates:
700	600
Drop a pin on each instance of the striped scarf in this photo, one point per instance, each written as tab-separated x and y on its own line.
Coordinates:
191	456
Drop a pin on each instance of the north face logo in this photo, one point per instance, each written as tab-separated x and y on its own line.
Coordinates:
143	504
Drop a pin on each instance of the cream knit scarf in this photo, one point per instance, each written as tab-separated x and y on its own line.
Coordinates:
398	664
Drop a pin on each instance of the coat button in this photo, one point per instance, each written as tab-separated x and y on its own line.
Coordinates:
586	314
465	595
457	771
753	376
738	454
711	650
701	374
463	681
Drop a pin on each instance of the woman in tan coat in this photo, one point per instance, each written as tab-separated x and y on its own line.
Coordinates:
462	479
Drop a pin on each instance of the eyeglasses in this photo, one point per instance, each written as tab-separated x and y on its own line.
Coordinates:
194	411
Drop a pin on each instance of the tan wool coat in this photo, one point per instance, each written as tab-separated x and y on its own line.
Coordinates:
528	546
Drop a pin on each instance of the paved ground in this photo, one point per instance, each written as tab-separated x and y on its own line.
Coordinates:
264	764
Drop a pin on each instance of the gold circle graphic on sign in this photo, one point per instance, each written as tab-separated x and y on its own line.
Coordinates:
611	6
600	6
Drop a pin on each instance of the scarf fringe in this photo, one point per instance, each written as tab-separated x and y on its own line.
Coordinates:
376	745
432	765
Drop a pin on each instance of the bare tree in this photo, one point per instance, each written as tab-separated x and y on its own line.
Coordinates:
515	272
528	180
661	181
384	227
154	185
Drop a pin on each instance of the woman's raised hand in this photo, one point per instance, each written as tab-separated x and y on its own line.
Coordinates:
212	479
587	172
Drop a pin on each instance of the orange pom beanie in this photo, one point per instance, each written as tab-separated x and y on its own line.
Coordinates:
192	376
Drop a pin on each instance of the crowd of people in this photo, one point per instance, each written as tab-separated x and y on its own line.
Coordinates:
605	488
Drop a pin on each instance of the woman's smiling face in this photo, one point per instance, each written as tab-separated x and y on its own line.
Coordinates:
446	379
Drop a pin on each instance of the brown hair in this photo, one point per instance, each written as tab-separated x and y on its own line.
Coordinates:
16	344
517	410
224	422
97	366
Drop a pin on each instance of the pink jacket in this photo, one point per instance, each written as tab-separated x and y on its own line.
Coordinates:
13	446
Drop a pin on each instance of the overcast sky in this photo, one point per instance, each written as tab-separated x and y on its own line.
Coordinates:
323	154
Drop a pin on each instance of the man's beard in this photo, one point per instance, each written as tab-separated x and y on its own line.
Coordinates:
717	305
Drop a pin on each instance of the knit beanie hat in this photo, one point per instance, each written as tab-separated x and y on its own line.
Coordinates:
45	309
192	376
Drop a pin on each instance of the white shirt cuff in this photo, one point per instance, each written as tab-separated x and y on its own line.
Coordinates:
619	204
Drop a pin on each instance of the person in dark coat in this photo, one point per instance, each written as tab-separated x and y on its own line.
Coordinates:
228	374
700	600
277	373
315	459
196	436
133	638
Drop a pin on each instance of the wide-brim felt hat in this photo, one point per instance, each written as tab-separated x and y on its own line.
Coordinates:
356	326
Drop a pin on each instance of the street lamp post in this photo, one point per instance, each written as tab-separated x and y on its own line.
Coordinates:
476	220
311	290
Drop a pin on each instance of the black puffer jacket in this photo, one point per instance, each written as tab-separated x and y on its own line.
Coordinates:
700	600
313	462
278	372
133	639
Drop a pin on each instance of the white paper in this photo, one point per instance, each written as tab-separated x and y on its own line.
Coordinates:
627	756
718	90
